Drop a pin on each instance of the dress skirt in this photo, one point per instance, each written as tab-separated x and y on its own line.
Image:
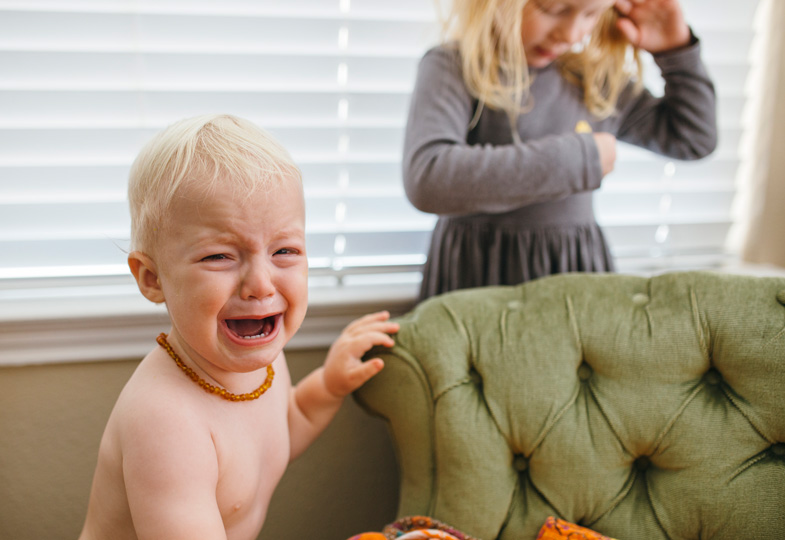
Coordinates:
510	248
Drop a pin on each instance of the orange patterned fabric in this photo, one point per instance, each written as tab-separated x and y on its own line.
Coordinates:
415	528
557	529
422	528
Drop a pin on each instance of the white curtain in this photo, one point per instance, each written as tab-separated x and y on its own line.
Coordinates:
762	189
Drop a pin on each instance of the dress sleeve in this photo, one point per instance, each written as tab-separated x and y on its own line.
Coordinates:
681	124
446	175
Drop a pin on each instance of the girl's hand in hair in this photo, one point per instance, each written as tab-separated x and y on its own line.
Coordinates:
653	25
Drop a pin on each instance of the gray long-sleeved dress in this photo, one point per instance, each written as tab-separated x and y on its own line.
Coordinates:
510	212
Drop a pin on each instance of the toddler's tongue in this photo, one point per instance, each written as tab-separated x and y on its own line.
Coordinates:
248	328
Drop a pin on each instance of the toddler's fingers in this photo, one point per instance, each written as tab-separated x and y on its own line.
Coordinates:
374	365
386	328
379	316
372	327
366	370
370	339
347	380
352	348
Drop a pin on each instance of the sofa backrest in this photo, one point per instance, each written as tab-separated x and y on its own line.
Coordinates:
644	408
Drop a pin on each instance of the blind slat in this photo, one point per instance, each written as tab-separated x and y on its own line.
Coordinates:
47	109
240	34
162	71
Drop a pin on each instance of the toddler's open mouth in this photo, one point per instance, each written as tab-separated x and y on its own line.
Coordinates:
252	328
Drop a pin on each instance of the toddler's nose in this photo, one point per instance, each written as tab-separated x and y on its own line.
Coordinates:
257	282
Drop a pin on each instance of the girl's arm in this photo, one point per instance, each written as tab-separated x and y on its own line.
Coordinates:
682	124
444	174
316	398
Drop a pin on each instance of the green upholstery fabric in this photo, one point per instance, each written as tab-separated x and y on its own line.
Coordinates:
643	408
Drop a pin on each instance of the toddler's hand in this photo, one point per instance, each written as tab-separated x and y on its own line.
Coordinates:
606	145
653	25
344	370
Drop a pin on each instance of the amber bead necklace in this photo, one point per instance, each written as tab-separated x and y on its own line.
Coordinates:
212	389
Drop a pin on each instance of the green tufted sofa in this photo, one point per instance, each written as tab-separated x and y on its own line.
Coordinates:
644	408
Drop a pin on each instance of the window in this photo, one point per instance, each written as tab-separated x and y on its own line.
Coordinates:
84	83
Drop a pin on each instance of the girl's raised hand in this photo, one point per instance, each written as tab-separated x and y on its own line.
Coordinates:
653	25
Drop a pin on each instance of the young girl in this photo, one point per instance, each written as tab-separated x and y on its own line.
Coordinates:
513	124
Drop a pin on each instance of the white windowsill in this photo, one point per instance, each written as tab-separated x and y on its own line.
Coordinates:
53	325
117	323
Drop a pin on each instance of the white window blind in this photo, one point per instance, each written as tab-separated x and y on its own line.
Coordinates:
84	83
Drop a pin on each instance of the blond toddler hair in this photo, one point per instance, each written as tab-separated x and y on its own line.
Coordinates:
200	154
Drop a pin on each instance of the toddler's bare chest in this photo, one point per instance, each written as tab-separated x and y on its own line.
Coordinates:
252	452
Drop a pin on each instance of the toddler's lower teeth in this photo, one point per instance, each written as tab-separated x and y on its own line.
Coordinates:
256	336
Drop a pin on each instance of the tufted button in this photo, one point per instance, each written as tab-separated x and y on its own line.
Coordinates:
713	377
778	450
520	463
781	297
585	372
514	304
640	299
475	377
642	463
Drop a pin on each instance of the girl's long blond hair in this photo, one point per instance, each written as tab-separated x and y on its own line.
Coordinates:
488	36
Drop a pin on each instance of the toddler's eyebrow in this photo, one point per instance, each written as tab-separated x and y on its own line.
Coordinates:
546	3
295	235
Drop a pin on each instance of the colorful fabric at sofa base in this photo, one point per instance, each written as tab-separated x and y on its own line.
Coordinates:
421	528
415	528
557	529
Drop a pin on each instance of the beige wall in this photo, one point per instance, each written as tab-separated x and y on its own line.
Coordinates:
52	418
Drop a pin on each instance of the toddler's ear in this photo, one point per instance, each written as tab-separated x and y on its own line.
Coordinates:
146	274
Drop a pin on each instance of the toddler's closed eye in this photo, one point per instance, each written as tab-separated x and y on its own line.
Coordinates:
216	257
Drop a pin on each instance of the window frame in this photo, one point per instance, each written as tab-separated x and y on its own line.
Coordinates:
99	315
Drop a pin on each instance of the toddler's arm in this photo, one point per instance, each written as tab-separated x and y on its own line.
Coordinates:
170	473
316	398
